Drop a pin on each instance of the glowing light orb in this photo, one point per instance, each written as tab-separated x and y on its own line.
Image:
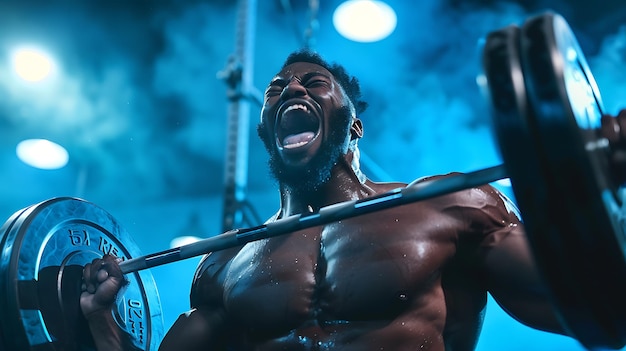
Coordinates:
42	153
31	64
364	20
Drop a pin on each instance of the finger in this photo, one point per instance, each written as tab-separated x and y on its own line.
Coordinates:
86	276
610	128
94	267
90	275
102	275
87	272
112	264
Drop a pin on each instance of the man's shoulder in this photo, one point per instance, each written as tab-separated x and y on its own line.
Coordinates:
480	200
432	178
207	279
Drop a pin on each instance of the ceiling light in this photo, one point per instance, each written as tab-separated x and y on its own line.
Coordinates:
31	64
364	20
41	153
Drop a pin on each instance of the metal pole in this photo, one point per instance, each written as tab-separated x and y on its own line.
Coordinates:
239	77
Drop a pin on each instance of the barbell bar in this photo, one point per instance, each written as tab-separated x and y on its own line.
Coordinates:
415	192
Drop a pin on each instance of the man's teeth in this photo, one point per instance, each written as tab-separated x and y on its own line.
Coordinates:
297	140
296	107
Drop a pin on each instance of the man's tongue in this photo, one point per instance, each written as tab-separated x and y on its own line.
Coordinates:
296	140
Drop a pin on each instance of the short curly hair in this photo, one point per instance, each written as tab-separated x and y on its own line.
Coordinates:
350	84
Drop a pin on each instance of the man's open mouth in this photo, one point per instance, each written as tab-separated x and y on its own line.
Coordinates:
296	126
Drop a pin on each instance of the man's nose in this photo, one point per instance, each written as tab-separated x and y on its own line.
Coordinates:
293	89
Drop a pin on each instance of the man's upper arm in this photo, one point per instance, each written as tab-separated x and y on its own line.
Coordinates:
205	326
512	277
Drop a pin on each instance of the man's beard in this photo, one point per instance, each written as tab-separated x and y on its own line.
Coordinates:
313	175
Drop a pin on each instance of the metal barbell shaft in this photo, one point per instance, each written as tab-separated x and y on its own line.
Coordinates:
414	192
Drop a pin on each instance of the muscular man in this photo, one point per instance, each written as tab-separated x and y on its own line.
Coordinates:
413	277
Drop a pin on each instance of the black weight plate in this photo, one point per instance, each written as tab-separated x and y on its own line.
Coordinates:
579	240
506	90
41	261
514	130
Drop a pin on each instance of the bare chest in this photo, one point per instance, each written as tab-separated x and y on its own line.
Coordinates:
366	268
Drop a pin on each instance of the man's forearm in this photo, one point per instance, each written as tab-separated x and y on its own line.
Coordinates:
107	335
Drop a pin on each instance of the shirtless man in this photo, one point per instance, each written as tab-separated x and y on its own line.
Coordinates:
413	277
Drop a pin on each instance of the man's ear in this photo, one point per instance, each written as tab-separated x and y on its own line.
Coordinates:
356	129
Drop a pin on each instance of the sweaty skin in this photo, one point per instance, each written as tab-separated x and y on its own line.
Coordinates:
413	277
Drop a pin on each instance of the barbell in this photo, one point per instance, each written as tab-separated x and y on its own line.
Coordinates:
546	109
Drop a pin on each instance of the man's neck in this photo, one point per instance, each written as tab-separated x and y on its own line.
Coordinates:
345	184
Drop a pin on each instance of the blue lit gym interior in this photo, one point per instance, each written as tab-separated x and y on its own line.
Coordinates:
140	95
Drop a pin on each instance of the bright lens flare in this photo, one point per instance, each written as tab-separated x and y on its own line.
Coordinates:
42	153
31	64
364	20
183	240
